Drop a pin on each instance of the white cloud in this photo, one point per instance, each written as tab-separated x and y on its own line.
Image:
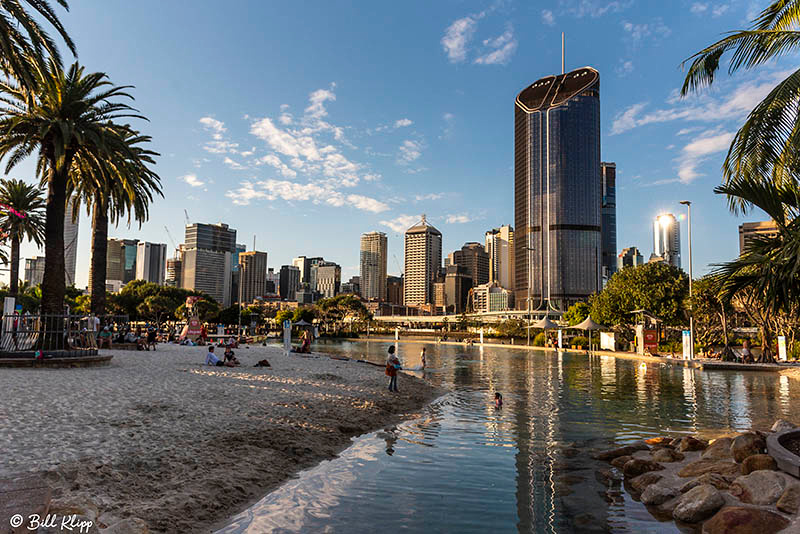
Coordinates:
594	8
698	151
734	104
429	196
409	151
457	219
457	36
295	192
698	8
637	32
275	161
401	223
235	165
317	99
285	142
216	127
548	17
720	10
401	123
624	67
500	49
192	180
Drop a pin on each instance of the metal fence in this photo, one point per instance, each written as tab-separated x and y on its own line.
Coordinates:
24	335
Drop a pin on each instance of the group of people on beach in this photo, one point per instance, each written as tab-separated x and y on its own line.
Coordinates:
228	357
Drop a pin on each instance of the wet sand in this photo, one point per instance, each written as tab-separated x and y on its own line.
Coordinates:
161	437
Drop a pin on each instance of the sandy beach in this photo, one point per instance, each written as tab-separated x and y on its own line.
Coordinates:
160	437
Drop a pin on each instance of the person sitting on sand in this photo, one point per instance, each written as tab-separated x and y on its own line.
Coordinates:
422	357
230	357
212	360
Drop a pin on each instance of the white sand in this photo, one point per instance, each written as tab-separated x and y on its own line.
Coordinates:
159	436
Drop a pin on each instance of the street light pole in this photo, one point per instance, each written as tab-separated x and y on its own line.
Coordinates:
688	205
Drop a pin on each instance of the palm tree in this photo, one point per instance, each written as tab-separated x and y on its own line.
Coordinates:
767	146
71	115
27	200
25	43
766	276
111	188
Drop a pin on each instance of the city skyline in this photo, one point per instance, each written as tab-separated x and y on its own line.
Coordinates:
432	154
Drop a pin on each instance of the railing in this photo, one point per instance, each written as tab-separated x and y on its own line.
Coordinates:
23	335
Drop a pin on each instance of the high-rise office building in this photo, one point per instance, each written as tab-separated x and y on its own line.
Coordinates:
120	260
352	286
608	173
252	275
304	264
629	257
34	270
289	282
372	277
175	267
557	197
475	260
327	277
70	244
667	240
273	281
423	262
394	290
457	283
499	245
151	262
207	260
749	230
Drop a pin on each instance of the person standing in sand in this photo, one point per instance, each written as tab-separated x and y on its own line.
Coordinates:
422	358
392	366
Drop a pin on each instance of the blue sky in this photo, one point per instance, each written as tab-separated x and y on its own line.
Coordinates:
308	123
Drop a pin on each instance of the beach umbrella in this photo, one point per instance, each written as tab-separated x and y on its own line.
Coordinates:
544	324
589	325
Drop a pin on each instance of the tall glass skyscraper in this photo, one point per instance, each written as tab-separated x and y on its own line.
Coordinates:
608	173
557	190
667	239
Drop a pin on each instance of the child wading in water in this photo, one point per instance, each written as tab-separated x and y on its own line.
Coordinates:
392	366
498	400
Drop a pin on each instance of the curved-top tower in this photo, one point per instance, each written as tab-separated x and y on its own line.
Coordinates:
557	190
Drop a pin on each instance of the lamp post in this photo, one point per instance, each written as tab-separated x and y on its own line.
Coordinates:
688	205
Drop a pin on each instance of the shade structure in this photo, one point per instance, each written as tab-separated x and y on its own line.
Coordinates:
589	325
301	322
544	324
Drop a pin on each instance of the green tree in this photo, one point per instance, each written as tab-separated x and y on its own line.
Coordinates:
229	315
25	44
28	223
284	315
156	307
577	313
711	313
767	146
120	184
657	287
71	115
303	313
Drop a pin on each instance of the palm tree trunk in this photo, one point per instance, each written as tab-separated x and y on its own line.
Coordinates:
97	274
14	282
53	281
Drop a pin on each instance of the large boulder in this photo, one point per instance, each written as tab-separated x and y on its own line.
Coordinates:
641	482
627	450
620	461
607	477
782	425
719	449
667	455
789	503
718	481
747	444
698	504
759	462
691	444
703	466
636	467
741	520
656	494
759	487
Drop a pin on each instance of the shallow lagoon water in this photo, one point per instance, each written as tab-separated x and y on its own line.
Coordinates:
463	466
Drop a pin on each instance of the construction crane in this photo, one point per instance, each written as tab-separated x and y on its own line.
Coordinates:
186	214
171	240
400	267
